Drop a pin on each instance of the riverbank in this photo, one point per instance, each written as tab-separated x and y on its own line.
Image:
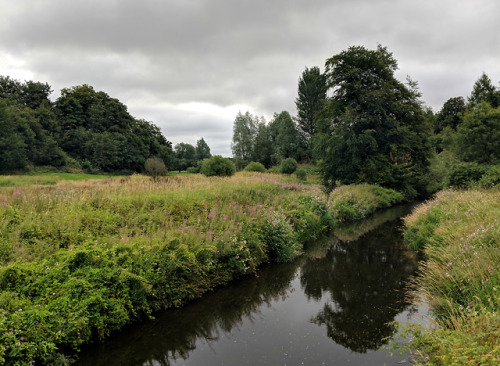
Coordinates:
459	233
82	259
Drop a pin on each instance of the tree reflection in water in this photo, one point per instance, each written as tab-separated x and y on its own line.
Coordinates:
365	280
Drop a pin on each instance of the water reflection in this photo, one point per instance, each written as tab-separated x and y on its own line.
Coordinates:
365	280
350	288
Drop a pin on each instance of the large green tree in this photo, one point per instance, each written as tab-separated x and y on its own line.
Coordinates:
484	91
287	141
244	133
202	150
185	155
311	94
374	128
478	136
263	148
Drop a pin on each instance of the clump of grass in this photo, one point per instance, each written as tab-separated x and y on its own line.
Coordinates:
356	201
459	233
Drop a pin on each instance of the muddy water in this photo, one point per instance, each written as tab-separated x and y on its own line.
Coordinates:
333	306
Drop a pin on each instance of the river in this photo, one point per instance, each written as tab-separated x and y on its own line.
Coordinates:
333	306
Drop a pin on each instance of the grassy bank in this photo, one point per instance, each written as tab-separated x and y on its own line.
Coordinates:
80	259
459	232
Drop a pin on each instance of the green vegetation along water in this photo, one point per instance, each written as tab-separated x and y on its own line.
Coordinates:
334	305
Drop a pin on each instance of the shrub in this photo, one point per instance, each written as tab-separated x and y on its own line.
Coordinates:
301	174
491	177
218	166
463	175
155	168
274	169
255	167
288	166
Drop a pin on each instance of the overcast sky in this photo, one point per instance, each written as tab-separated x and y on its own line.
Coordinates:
189	66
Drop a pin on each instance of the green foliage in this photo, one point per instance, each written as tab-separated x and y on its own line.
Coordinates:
82	259
491	177
373	129
83	127
288	166
478	136
484	91
254	166
311	94
463	175
357	201
202	150
244	133
185	156
286	140
301	174
263	147
218	166
155	168
451	114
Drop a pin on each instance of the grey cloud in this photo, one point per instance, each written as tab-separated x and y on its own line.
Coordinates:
228	52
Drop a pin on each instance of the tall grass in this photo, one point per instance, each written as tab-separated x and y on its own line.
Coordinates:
459	232
79	259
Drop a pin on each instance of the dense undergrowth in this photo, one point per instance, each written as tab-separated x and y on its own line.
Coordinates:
81	259
459	232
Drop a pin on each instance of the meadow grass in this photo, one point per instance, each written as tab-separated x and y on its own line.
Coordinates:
80	259
44	178
459	233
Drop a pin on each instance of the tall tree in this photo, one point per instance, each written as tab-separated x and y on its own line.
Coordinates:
311	94
484	91
202	150
13	148
244	133
375	128
185	155
478	136
286	138
263	148
451	114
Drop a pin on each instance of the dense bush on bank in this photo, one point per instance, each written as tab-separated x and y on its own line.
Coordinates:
459	232
82	259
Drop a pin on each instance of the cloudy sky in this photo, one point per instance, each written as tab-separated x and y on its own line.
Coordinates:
189	66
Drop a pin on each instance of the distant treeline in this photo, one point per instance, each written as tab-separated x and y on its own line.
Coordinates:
82	130
361	125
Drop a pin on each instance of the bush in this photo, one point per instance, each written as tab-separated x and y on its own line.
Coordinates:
274	169
155	168
218	166
255	167
288	166
463	175
301	174
491	177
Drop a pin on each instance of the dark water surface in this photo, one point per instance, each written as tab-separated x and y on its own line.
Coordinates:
330	307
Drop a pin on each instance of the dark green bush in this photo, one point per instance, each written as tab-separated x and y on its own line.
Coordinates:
218	166
491	177
463	175
288	166
255	167
301	174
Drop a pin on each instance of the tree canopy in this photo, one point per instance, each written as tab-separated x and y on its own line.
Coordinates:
373	126
82	128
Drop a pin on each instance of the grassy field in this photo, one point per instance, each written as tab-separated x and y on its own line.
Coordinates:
81	258
459	232
44	178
